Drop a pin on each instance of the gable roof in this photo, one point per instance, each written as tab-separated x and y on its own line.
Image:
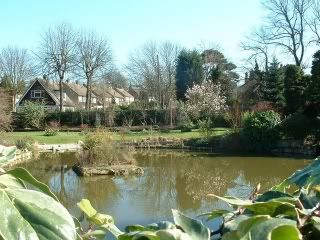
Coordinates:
113	93
123	92
46	87
80	90
100	92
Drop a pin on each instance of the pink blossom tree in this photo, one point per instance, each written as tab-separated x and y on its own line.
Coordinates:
203	102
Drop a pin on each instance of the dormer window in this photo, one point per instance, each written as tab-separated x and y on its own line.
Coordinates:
36	94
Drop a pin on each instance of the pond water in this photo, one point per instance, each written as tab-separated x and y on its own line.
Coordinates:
172	179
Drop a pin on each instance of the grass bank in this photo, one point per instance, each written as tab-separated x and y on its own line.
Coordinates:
74	137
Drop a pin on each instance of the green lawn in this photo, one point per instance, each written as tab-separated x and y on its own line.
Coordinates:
74	137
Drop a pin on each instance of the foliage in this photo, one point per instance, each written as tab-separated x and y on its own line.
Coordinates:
314	87
31	214
274	91
5	111
25	143
189	71
299	126
205	100
184	121
220	71
32	114
294	88
52	129
259	130
99	148
50	132
205	127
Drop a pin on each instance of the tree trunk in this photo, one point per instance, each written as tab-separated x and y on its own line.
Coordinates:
61	94
87	94
14	97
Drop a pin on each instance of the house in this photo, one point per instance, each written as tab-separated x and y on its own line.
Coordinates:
117	98
138	92
48	93
103	96
41	90
77	93
128	98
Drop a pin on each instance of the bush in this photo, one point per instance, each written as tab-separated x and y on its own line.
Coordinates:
25	143
100	149
5	111
50	132
259	130
32	115
299	126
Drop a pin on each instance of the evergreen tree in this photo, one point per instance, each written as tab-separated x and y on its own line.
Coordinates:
220	71
294	88
314	87
189	71
274	90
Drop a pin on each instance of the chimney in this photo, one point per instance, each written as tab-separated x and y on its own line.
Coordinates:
77	82
67	80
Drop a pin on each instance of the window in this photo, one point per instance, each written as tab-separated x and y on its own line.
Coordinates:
94	100
36	94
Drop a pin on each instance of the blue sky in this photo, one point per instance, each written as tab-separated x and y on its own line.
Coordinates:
128	24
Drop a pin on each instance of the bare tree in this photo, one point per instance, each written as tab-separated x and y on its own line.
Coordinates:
154	66
257	46
286	26
15	70
93	59
314	22
57	52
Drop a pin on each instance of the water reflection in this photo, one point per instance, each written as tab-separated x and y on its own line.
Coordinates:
172	179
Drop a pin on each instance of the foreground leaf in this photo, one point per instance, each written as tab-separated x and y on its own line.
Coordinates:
194	228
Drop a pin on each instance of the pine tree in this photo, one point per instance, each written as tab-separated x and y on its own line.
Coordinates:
314	87
189	71
294	88
274	89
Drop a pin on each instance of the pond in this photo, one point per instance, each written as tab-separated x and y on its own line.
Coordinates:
172	179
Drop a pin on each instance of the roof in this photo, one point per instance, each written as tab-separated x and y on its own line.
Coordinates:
80	90
123	92
47	87
100	92
113	93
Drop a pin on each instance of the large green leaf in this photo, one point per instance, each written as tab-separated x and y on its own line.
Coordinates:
194	228
309	176
24	175
48	218
264	228
12	224
28	214
214	214
279	206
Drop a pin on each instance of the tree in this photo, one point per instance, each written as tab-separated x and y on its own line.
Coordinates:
314	87
257	46
57	53
286	26
220	71
294	88
189	71
93	58
274	91
154	67
203	101
116	79
5	110
15	70
314	22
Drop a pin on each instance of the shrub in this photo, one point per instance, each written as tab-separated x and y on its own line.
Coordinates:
50	132
299	126
32	115
5	111
259	130
205	127
25	143
100	149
